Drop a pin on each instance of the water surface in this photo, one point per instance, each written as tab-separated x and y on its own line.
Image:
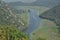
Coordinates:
34	21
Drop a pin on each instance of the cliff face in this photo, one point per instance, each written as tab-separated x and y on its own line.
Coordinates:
8	16
53	15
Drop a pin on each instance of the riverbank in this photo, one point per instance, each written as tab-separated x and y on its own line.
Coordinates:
47	30
25	19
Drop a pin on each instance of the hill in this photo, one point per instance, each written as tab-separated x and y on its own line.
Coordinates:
45	3
53	15
8	16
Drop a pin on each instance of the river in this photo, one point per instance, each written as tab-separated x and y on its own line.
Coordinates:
34	21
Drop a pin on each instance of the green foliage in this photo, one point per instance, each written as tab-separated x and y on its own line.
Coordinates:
41	39
11	33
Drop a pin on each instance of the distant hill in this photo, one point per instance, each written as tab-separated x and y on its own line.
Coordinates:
53	15
9	16
45	3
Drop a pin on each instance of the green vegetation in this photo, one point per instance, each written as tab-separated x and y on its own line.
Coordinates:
10	32
10	16
53	15
41	39
10	21
25	18
47	30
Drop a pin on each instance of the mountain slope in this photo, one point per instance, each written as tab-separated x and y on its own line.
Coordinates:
9	16
53	15
45	3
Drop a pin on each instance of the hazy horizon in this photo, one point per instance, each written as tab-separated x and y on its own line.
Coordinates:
25	1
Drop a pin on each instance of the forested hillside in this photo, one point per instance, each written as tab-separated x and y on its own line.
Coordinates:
8	16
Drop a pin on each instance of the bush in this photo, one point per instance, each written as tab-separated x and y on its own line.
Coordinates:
11	33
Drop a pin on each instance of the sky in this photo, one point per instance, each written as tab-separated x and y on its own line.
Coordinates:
25	1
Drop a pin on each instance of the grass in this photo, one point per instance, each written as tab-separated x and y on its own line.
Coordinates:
47	30
25	18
